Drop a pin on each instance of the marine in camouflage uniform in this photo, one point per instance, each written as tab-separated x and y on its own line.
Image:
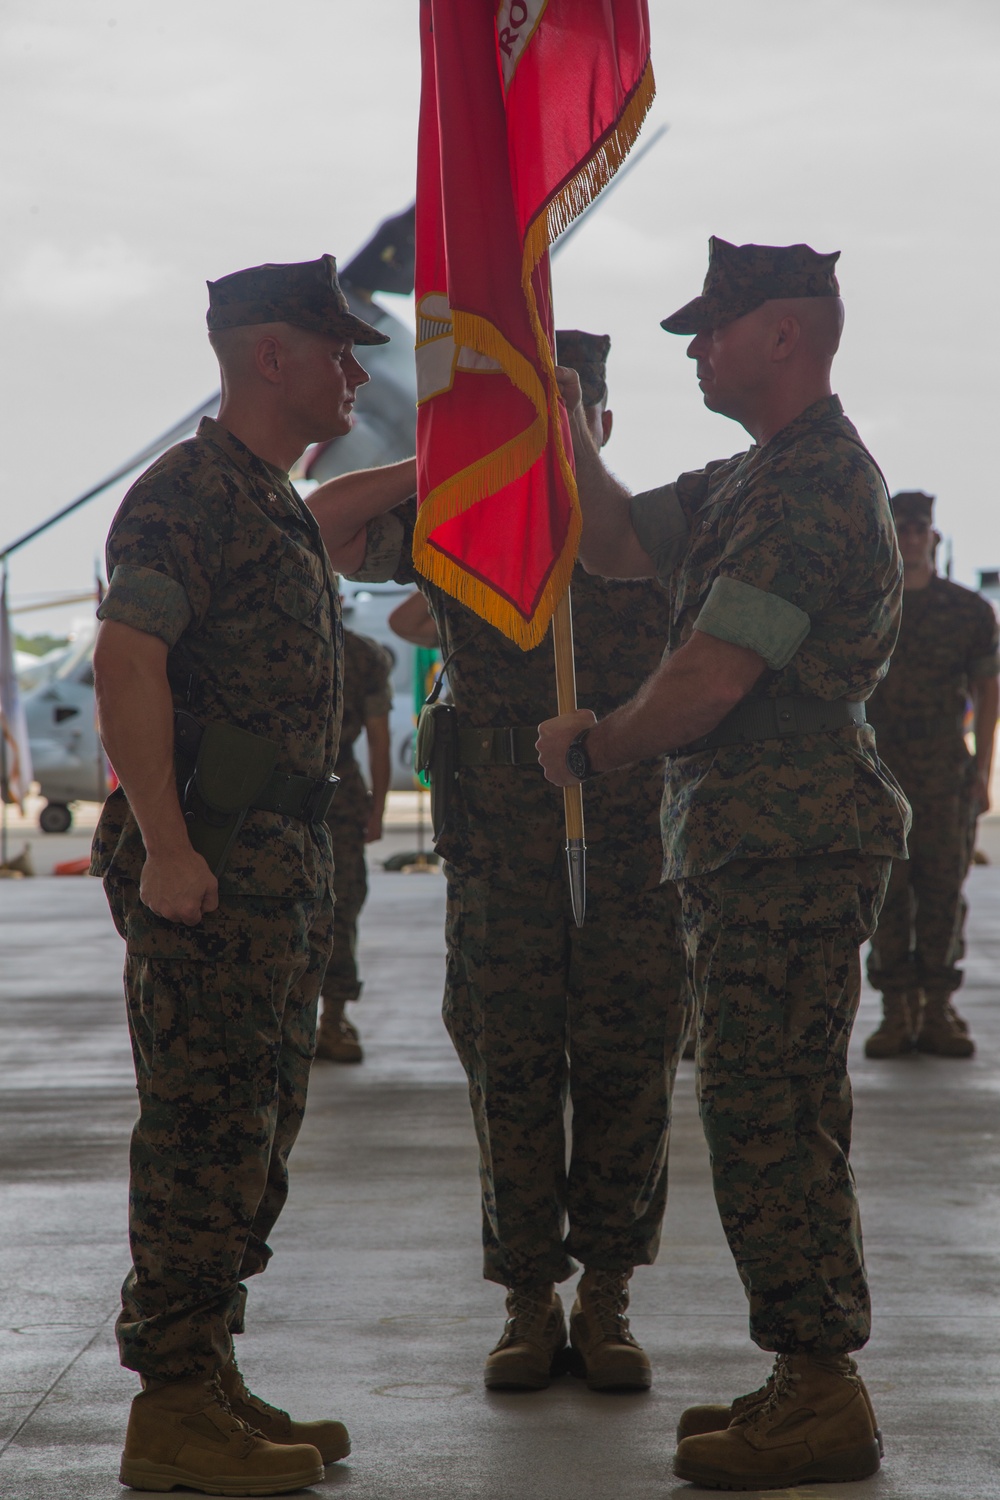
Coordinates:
367	697
213	555
946	653
536	1007
778	825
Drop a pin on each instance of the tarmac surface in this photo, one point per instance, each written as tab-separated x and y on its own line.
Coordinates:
373	1309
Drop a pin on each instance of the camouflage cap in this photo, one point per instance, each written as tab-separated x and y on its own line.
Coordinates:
742	277
306	294
587	354
912	505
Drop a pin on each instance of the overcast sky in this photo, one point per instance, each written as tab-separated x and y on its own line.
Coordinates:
151	145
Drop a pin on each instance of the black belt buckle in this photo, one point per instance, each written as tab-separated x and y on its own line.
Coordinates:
319	798
785	718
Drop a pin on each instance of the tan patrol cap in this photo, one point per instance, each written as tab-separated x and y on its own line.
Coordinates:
306	294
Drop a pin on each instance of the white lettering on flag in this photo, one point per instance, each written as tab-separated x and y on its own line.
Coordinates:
437	357
516	23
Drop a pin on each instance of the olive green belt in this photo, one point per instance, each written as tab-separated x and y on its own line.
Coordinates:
497	745
777	718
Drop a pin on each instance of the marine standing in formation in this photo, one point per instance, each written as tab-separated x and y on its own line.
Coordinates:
946	654
354	820
220	634
779	824
536	1007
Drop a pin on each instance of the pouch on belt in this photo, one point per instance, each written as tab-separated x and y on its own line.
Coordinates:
231	771
437	756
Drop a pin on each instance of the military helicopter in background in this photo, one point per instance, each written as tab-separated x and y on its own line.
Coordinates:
67	757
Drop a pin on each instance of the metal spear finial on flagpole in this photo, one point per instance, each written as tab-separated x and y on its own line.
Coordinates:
576	848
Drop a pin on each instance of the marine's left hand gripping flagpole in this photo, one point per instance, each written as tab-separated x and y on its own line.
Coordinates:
576	848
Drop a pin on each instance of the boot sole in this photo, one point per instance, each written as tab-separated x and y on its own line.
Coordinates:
839	1468
139	1475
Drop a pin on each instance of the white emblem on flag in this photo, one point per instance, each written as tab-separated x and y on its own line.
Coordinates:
15	751
437	357
516	23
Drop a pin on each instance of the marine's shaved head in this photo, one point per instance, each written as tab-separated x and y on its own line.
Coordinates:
820	320
236	348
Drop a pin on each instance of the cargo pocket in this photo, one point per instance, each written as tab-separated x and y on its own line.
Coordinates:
776	982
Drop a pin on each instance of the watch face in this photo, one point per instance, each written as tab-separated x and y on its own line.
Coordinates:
577	762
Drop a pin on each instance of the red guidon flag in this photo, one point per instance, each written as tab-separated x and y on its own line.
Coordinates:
528	107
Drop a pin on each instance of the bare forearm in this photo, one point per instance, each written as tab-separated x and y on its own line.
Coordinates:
343	507
377	731
136	718
986	697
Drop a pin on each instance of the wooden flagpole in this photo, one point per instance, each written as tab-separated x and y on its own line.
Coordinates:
576	848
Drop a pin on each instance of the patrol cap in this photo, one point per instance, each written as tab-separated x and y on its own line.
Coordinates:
306	294
587	354
912	505
742	277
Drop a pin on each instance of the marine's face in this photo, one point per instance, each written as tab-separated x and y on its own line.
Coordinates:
917	542
322	377
730	364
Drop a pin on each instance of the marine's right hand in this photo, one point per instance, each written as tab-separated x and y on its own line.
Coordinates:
179	886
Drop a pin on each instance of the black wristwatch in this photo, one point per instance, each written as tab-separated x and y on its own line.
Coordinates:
577	759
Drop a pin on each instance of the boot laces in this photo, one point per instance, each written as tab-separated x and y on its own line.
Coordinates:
245	1395
250	1434
525	1307
607	1298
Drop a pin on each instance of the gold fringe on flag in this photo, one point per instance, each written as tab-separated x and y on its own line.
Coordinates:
514	458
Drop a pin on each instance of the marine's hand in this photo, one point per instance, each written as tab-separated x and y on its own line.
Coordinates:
570	388
179	886
554	738
373	827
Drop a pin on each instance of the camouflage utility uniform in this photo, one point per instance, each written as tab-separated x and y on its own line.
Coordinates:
947	642
367	695
213	552
781	846
525	986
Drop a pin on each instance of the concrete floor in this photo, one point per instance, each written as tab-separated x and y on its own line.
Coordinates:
373	1308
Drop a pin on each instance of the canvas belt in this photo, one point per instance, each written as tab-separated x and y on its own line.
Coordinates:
503	745
776	718
304	797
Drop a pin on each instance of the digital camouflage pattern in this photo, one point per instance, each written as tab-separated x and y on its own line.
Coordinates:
222	1018
773	947
947	643
792	544
306	294
212	551
742	277
367	695
522	978
587	354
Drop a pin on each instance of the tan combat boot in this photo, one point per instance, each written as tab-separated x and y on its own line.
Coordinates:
942	1032
531	1347
815	1426
328	1437
612	1358
337	1040
184	1433
716	1417
894	1035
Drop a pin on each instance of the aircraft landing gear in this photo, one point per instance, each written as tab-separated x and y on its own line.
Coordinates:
55	817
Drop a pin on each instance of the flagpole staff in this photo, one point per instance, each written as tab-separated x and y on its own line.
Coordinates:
576	848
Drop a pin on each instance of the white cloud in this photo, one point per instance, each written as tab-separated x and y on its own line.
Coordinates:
84	282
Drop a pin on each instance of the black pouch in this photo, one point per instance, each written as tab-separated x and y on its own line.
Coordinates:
231	770
437	756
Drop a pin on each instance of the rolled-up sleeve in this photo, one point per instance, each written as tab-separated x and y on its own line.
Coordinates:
146	600
661	526
746	616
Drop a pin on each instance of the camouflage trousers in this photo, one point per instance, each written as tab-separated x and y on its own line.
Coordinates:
775	967
539	1011
920	932
222	1018
350	884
